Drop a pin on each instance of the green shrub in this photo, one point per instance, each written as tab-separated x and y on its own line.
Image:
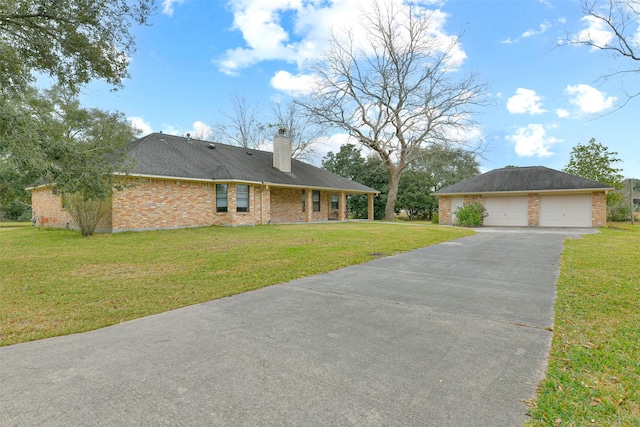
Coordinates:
471	214
15	211
619	213
86	212
435	218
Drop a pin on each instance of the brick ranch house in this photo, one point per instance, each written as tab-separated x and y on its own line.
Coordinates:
182	182
529	196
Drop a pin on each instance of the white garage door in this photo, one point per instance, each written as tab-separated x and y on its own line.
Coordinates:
456	202
565	210
506	210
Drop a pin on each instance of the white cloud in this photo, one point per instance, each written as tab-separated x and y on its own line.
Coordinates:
199	130
525	101
596	32
589	99
167	6
636	38
541	29
533	141
299	84
563	113
259	21
139	124
333	143
298	31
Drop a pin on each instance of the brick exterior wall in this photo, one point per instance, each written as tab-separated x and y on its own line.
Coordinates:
444	210
163	204
286	206
151	204
47	209
325	208
533	209
259	201
598	209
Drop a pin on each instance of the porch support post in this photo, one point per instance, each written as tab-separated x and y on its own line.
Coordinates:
370	206
309	205
342	206
265	204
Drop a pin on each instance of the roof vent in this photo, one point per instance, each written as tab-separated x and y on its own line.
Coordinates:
212	145
250	153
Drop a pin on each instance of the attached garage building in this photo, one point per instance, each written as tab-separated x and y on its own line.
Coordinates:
528	196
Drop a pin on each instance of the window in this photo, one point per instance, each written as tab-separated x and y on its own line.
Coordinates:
242	198
221	197
334	202
64	200
316	200
304	201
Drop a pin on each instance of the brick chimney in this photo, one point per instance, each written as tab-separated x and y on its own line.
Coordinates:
282	151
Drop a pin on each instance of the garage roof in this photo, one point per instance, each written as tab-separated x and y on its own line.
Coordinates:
522	179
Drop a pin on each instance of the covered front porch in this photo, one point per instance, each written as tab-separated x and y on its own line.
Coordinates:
309	204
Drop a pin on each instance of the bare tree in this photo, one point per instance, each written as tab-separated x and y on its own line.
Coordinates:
396	93
305	134
614	27
241	126
86	212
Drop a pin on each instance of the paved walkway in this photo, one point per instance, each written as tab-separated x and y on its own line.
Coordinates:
449	335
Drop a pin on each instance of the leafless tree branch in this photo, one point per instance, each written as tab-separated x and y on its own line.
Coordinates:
397	93
619	20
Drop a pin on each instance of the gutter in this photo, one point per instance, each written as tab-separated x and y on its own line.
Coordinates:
263	183
514	192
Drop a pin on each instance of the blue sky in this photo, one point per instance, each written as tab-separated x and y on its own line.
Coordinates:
544	98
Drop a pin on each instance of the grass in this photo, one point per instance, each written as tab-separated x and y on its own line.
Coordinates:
55	282
593	377
10	224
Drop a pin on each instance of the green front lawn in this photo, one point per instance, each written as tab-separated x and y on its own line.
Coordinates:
55	282
11	224
594	370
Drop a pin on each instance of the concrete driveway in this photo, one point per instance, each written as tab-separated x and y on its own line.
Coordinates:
455	334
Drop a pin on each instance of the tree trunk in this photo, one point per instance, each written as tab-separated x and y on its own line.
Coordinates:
389	210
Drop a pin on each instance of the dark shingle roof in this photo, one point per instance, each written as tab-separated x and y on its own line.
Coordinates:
165	155
533	178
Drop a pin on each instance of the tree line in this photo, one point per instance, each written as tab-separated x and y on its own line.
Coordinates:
430	172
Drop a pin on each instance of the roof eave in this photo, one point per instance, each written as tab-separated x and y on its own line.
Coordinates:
514	192
183	178
314	187
36	187
179	178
